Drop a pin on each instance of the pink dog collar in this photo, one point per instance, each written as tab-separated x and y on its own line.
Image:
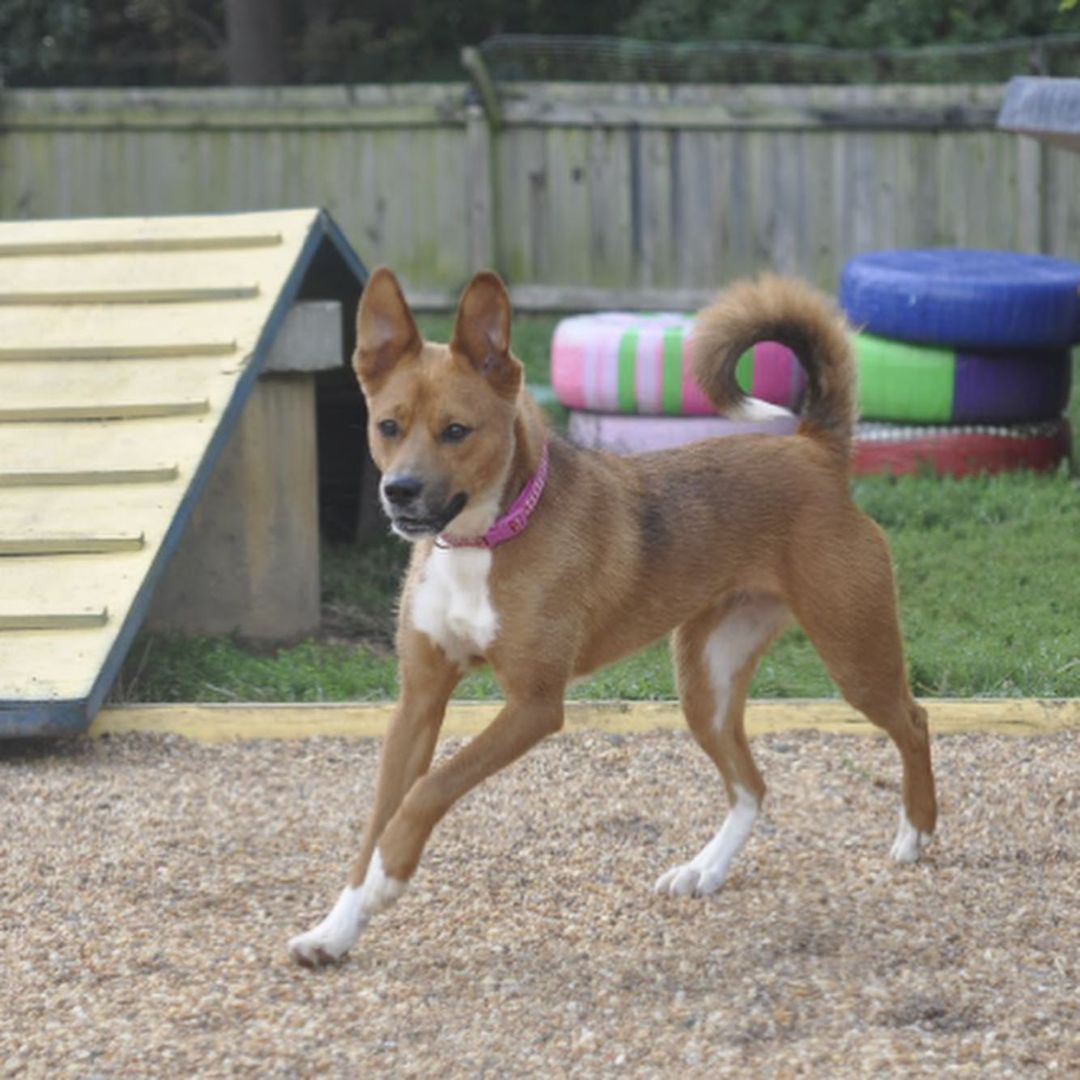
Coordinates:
513	522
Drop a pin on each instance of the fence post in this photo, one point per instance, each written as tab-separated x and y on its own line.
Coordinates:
483	119
479	184
1031	188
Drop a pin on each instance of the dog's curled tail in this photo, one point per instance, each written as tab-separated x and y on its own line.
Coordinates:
796	315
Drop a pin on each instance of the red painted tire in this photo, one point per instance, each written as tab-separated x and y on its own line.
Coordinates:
639	363
637	434
961	451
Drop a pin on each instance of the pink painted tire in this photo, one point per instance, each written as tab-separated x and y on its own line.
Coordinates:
637	434
634	363
961	451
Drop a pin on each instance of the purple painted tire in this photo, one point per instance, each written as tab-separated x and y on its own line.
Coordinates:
927	384
638	434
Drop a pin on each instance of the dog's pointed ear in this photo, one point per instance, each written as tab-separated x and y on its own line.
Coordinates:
385	328
482	333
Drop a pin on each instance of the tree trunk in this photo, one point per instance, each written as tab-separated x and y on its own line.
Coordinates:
256	42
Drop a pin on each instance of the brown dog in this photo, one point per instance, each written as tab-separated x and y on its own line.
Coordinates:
721	542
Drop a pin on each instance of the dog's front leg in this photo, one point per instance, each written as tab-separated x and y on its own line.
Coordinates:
427	680
520	725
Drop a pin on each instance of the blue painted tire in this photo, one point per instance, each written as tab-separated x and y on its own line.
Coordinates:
989	299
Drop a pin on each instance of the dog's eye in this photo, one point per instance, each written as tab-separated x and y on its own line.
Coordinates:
389	428
454	433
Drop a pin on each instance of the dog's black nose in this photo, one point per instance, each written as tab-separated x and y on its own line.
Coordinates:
400	490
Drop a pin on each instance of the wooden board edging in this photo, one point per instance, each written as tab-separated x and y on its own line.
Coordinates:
224	723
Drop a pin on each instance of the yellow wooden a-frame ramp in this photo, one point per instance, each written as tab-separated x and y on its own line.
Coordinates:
127	349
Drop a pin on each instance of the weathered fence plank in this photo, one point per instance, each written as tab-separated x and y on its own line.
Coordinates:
584	194
1061	227
478	188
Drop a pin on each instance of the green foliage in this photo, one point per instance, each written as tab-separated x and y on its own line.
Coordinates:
423	40
37	36
849	24
78	42
134	42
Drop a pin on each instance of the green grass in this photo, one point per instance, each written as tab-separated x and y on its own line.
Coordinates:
988	571
165	668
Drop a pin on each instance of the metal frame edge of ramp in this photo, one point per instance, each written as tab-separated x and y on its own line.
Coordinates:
68	714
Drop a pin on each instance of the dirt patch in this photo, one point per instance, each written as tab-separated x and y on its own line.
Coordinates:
149	885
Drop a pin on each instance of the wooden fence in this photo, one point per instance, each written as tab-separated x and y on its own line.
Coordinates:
582	195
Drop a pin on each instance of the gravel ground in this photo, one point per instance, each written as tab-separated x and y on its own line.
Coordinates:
149	885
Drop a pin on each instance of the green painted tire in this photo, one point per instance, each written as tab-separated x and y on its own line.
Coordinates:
929	384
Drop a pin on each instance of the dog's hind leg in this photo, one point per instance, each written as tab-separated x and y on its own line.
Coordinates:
846	603
715	657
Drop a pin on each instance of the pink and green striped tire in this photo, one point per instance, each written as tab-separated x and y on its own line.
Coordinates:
961	451
623	362
931	384
624	434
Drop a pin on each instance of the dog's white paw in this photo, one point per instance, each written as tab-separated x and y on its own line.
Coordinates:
909	843
708	870
690	880
320	947
328	942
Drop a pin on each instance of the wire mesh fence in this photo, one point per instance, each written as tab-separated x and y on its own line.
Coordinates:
526	57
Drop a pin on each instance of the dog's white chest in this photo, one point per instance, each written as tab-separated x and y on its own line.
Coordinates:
452	603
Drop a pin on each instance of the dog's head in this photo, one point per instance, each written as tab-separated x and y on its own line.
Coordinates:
440	417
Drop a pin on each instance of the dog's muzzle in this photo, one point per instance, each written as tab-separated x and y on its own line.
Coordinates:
411	515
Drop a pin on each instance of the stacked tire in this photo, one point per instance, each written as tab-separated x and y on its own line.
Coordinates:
963	359
625	379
